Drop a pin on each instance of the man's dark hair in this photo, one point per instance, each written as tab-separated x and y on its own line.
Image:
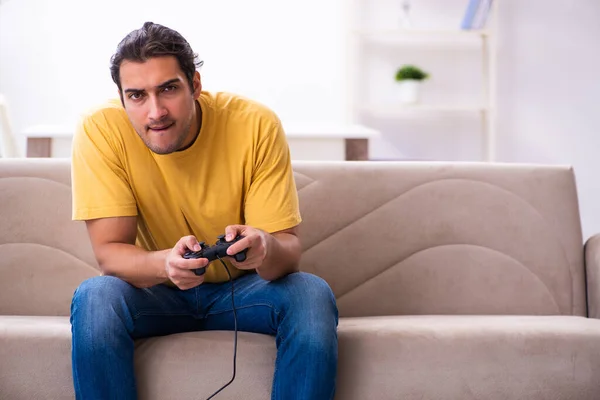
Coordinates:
154	40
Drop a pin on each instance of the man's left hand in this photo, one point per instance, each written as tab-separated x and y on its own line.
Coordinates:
255	241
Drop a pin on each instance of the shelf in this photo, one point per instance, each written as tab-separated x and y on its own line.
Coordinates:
393	110
379	44
421	33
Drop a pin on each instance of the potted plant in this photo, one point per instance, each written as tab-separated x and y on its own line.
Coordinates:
409	78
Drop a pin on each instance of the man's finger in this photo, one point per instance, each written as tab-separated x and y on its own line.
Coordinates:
243	244
192	243
188	283
185	275
191	263
187	243
247	265
231	231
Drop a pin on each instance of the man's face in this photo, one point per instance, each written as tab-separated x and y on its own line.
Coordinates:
159	103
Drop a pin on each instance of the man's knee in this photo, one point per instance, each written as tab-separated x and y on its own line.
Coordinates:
311	315
98	298
311	296
104	289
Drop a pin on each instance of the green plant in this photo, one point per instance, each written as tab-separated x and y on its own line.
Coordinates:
410	72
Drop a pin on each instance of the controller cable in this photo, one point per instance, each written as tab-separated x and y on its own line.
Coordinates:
235	331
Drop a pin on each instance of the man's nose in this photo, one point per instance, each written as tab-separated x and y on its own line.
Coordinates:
157	110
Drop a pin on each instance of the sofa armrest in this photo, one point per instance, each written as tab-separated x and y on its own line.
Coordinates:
592	273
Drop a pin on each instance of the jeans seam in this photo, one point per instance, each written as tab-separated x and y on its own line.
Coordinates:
274	395
146	314
242	308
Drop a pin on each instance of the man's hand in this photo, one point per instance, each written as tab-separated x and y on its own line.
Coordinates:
179	269
255	240
272	255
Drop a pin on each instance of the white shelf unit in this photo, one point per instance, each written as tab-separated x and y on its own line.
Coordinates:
426	40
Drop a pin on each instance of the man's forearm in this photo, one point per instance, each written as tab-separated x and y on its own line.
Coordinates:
283	256
133	264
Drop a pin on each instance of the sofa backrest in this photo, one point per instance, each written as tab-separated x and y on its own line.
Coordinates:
444	238
389	237
43	254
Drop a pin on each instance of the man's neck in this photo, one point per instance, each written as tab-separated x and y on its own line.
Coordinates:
197	125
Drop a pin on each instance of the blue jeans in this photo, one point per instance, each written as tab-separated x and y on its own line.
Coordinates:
108	314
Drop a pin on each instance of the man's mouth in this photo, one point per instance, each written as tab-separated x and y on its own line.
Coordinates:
161	128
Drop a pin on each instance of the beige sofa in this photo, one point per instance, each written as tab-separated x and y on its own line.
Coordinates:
454	281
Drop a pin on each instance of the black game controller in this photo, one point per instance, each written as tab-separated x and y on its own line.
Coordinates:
213	252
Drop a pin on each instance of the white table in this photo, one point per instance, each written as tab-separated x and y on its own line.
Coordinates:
307	142
329	142
49	140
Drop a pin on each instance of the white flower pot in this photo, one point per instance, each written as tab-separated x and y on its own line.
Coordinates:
409	91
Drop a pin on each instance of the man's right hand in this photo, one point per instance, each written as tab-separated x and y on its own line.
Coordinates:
113	241
180	270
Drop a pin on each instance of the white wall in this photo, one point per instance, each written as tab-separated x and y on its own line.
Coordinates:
291	55
548	107
54	55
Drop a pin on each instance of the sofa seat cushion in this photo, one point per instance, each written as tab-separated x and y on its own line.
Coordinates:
35	358
35	362
469	357
408	357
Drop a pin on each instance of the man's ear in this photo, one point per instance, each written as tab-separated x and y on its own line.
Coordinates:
197	82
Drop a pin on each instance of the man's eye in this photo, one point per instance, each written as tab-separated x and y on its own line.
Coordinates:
135	96
169	88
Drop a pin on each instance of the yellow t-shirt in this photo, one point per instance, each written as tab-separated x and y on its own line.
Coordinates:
237	171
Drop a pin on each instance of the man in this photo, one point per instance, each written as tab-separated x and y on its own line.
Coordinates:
156	171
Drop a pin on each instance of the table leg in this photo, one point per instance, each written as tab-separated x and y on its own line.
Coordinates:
357	149
39	147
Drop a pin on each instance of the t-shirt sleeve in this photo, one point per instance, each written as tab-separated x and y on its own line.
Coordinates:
272	199
100	187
